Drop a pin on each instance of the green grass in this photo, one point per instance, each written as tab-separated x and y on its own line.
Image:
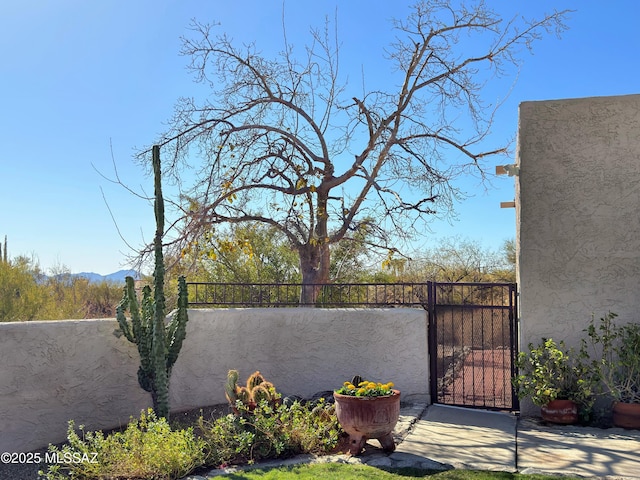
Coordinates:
332	471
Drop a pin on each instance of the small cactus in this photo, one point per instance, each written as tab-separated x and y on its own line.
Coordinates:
231	387
269	386
256	390
260	393
254	380
244	395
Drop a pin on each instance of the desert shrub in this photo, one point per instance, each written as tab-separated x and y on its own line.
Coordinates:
147	448
150	448
269	431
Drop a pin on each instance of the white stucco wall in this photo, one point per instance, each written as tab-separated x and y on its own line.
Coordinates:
578	214
51	372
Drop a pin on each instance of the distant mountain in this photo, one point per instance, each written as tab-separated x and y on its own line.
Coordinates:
116	277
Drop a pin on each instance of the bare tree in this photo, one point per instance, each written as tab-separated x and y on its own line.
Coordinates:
284	143
457	259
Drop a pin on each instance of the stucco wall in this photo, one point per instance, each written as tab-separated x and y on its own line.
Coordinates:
51	372
578	214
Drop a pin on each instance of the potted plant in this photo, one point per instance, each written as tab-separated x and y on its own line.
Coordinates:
366	410
617	351
557	380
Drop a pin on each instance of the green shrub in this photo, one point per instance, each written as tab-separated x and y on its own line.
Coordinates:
148	448
617	360
268	431
551	371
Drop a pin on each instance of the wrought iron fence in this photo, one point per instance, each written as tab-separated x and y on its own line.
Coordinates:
372	295
212	295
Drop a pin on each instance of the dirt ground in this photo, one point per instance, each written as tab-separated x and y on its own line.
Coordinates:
482	379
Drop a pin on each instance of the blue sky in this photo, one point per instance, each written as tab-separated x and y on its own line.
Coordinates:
84	80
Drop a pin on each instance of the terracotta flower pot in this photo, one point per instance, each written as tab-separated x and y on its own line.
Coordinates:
560	411
368	417
626	415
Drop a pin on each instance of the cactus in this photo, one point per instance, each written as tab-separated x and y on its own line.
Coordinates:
256	390
254	380
231	387
260	393
269	386
158	343
244	395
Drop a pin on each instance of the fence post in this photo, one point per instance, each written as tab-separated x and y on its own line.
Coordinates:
515	336
432	341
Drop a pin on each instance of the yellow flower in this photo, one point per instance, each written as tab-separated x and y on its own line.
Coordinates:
366	388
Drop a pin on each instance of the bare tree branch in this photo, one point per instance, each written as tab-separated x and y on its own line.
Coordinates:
280	137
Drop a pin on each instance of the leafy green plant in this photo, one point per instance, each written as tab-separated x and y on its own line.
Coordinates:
148	448
617	352
269	431
21	297
158	344
358	387
261	427
551	371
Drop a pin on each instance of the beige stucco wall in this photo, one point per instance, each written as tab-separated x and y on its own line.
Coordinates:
51	372
578	214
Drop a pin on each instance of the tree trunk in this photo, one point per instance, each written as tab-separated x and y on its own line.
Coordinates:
314	265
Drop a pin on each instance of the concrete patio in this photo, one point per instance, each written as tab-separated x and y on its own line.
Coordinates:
440	437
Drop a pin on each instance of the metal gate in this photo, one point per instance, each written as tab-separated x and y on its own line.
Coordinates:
472	328
473	344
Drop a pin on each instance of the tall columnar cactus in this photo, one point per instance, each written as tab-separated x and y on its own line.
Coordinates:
158	342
